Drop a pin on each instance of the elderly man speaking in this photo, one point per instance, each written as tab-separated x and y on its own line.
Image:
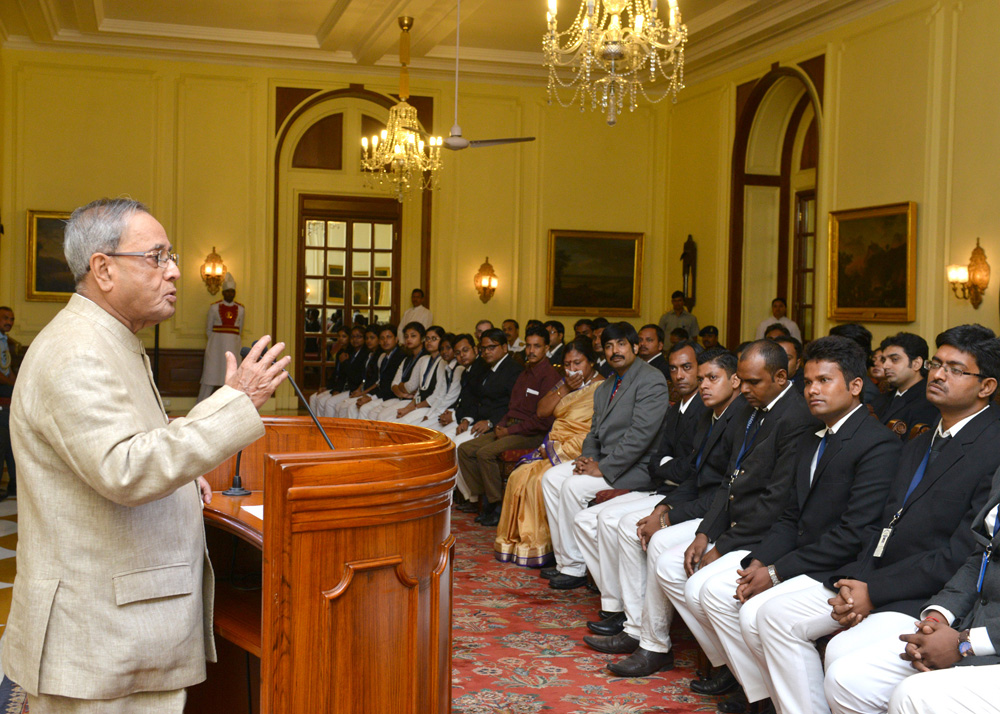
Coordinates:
112	604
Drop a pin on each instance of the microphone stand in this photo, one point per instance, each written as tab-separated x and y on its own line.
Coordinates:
237	488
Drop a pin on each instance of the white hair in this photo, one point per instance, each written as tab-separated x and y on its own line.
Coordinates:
97	228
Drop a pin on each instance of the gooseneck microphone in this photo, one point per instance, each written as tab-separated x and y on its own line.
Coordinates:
305	402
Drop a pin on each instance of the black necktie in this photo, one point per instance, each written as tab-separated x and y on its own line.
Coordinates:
936	447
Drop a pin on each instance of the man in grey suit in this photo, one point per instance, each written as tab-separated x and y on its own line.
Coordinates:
628	411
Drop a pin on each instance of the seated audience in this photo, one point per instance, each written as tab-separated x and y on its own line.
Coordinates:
876	373
482	326
584	328
905	405
941	482
861	336
405	379
441	390
556	333
521	427
389	363
779	314
512	330
523	532
346	378
709	337
601	365
628	411
793	349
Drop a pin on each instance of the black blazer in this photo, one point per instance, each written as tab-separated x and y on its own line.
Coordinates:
604	368
387	372
960	595
352	372
933	536
676	438
697	485
557	357
489	392
742	514
908	411
660	362
829	521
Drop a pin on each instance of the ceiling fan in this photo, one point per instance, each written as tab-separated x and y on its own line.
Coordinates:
457	142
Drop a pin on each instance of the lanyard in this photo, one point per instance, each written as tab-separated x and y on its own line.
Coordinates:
427	369
987	553
754	423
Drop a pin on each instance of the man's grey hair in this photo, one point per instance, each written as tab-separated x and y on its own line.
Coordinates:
97	228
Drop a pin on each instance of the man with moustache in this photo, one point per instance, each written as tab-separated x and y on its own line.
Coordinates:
793	349
603	368
520	428
596	528
709	337
760	476
651	348
842	477
676	513
628	411
941	482
905	405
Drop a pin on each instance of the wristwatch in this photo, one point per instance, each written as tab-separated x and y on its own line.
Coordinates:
964	645
774	575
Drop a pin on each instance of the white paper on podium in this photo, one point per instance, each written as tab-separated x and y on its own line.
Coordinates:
256	511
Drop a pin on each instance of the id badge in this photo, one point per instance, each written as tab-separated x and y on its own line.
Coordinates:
883	539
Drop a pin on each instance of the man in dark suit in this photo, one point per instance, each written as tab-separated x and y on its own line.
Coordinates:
596	528
862	337
628	413
796	365
651	348
557	332
842	477
922	538
760	476
905	405
676	513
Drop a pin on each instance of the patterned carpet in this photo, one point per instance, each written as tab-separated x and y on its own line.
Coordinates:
517	643
518	649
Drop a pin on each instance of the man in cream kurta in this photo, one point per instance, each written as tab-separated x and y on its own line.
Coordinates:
112	604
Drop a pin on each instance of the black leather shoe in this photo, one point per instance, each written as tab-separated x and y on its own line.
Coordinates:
467	506
548	573
622	643
605	614
491	519
643	663
609	625
567	582
735	704
719	683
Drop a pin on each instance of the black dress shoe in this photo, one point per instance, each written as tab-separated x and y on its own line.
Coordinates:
735	704
467	506
548	573
605	614
622	643
719	683
491	519
643	663
567	582
609	625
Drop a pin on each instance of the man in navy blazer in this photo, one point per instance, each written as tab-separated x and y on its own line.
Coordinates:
921	539
628	411
842	477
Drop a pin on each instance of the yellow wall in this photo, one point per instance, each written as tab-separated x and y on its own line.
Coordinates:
909	114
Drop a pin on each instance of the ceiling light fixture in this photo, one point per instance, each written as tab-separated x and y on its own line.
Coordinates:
608	49
399	158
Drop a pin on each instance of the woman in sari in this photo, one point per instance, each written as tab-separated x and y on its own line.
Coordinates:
523	532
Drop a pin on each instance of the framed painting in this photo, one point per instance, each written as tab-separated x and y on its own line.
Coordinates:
49	276
594	273
873	263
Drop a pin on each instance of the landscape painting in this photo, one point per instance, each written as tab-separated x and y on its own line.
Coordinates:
594	273
49	276
873	263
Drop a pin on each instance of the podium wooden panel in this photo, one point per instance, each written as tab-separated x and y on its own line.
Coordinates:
354	609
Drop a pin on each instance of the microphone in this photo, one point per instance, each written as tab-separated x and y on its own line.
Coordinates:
305	402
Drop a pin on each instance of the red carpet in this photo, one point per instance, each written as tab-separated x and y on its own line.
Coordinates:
518	648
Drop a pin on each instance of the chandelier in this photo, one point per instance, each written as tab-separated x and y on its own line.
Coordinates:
399	159
609	49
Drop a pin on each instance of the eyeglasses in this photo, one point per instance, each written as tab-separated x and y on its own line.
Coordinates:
161	257
489	348
933	364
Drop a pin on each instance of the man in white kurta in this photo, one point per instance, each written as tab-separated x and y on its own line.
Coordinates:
223	327
111	610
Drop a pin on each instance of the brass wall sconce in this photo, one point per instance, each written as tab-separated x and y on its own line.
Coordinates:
969	283
486	281
213	270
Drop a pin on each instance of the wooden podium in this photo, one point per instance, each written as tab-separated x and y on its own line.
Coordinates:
340	599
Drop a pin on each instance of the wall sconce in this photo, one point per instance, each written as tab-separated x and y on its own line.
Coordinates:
486	281
969	283
213	270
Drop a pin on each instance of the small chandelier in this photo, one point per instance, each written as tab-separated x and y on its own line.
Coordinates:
213	270
398	158
486	281
610	46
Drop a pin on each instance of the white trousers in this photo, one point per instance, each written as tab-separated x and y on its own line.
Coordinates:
648	612
565	495
685	594
958	690
863	664
416	417
596	533
459	439
324	404
788	626
387	410
365	412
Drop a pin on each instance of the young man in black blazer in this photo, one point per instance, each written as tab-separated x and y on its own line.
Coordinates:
905	405
923	536
842	477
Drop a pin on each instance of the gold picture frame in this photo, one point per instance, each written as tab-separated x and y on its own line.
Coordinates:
49	276
594	273
873	263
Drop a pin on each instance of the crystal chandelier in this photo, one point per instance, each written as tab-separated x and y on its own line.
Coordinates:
399	159
609	48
